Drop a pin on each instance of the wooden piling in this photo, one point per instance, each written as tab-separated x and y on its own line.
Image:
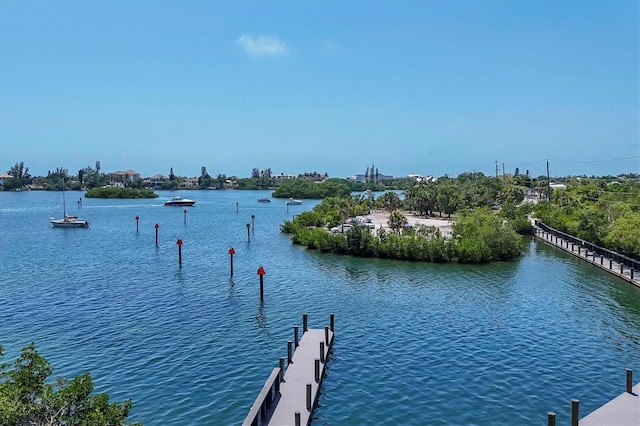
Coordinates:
629	387
551	418
575	412
295	336
304	323
281	365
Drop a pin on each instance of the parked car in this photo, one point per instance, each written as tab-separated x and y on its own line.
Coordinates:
341	228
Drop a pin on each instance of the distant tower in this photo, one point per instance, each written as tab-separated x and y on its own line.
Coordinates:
377	174
366	175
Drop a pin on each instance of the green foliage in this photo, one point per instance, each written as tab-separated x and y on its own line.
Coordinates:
482	236
306	189
26	398
20	177
624	236
397	221
597	210
389	201
115	192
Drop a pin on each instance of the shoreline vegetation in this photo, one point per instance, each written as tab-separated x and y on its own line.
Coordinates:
479	236
602	210
114	192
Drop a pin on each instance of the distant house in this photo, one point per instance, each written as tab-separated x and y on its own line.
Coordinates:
127	175
3	177
419	178
282	176
155	181
557	186
189	183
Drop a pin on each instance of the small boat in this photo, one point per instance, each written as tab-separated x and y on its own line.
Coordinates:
264	200
178	201
293	202
67	221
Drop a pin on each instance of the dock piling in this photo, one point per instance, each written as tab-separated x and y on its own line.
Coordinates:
295	336
551	418
289	352
629	380
331	321
297	418
326	335
281	365
309	406
317	369
304	323
322	352
575	412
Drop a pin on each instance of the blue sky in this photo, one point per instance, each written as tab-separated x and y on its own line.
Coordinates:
428	87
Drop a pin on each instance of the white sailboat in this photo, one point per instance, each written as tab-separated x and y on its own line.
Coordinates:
68	221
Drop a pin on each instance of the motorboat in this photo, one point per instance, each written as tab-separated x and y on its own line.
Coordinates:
264	200
293	202
178	201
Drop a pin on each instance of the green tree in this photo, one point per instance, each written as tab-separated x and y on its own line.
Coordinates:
389	201
397	221
26	398
20	176
624	236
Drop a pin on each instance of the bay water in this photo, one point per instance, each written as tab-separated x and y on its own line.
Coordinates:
416	343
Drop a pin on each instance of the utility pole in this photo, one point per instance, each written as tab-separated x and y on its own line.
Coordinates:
504	178
496	169
548	183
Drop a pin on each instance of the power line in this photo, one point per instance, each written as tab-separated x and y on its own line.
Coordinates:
599	161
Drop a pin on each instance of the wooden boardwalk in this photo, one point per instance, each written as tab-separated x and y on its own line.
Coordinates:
288	397
300	374
621	411
601	262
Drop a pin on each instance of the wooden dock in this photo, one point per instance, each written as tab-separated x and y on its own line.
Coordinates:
289	396
621	411
624	410
606	263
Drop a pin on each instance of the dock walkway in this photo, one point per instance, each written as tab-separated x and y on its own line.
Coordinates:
621	411
289	395
300	374
607	263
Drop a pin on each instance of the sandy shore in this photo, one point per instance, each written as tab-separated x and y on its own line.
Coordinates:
380	220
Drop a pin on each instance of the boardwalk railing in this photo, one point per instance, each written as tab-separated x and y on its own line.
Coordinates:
269	395
601	251
289	395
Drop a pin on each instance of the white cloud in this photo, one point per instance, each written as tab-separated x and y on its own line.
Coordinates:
264	45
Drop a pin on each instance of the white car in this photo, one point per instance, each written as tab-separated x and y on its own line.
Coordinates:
341	228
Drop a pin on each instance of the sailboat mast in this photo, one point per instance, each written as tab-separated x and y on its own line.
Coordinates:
64	202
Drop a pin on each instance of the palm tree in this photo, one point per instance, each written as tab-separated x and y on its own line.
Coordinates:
397	221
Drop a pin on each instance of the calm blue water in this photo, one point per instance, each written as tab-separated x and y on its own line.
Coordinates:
415	343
